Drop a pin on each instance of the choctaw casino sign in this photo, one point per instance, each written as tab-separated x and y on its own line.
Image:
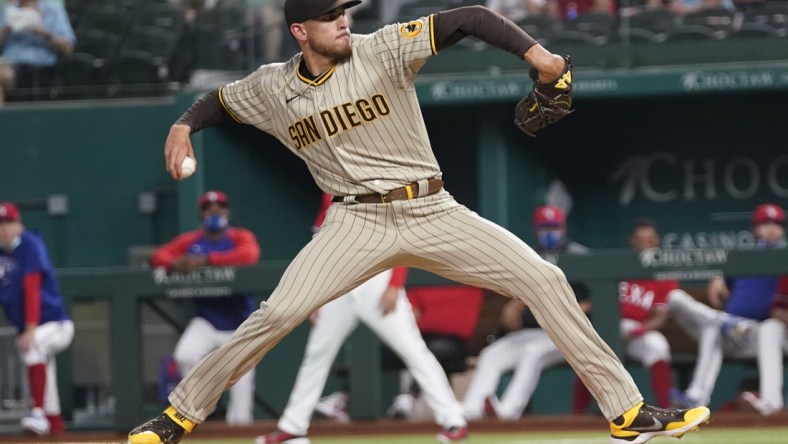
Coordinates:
200	283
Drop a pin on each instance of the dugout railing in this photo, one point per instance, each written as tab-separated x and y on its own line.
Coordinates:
126	290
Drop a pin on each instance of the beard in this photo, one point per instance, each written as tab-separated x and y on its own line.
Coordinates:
336	52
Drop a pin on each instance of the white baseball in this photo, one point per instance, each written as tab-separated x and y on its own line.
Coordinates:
187	167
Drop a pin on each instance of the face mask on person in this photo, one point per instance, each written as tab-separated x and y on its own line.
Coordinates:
550	239
215	223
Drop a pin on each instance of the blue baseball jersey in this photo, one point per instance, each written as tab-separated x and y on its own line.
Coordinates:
30	256
223	313
752	297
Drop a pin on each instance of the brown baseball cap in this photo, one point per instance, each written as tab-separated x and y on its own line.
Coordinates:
299	11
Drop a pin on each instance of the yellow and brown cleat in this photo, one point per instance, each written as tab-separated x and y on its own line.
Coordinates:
167	428
643	422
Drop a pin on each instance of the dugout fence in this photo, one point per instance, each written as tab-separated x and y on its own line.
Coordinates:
119	400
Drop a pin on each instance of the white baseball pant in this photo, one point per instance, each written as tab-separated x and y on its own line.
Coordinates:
201	338
51	338
648	348
526	353
398	329
764	340
772	346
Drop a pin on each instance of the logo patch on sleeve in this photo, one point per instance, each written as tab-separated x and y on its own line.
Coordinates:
411	29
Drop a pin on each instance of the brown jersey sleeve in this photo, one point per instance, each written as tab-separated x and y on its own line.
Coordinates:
455	24
204	112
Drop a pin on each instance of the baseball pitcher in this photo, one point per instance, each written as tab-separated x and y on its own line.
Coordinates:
347	106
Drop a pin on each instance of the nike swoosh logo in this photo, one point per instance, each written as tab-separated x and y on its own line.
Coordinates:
652	428
290	99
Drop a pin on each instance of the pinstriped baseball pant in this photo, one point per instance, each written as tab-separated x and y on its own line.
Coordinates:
434	233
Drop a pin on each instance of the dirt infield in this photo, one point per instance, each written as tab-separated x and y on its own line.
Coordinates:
217	429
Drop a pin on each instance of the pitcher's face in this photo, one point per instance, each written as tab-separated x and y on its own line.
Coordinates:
329	34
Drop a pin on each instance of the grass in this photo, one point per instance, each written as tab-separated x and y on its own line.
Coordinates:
714	436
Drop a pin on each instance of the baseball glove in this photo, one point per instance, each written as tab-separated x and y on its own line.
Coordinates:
546	103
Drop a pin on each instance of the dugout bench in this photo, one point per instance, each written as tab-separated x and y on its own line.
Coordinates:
125	289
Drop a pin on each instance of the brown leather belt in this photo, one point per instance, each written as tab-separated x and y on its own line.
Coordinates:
407	192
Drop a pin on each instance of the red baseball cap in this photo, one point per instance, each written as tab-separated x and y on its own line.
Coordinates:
768	213
9	212
549	216
211	197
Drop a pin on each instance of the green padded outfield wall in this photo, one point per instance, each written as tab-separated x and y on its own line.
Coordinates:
100	156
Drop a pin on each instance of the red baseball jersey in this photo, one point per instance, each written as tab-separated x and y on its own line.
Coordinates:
451	309
638	298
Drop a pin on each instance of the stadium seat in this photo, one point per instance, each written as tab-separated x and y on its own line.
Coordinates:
575	37
694	32
755	30
719	20
596	24
640	35
154	40
161	16
75	76
772	13
106	18
648	24
98	43
138	74
541	27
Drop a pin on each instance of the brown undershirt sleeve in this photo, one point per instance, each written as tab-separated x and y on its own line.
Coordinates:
206	111
455	24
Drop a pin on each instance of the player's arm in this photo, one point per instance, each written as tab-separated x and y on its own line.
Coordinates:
388	301
455	24
513	315
325	202
206	111
717	291
246	251
166	255
659	316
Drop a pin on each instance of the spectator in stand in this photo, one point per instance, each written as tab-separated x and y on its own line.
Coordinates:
34	34
516	10
742	322
32	302
644	310
526	349
446	316
215	244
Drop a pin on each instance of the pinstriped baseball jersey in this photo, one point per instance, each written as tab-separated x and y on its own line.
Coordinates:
358	126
